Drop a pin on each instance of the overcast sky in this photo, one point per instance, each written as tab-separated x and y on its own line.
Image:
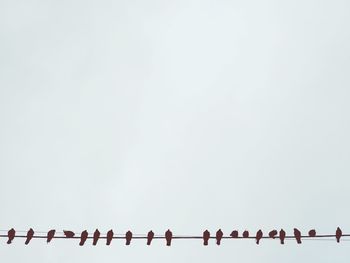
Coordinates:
188	115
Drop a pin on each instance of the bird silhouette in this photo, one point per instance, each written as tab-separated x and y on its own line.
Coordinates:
338	234
11	235
234	234
30	235
168	237
297	235
273	233
128	237
83	236
96	237
150	236
50	235
245	234
282	236
69	234
258	236
312	233
206	236
219	236
109	237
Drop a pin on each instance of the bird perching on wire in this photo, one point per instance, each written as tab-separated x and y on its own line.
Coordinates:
168	237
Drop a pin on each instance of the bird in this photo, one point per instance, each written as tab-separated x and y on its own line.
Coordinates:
11	235
83	236
96	237
338	234
206	236
150	236
219	236
245	234
234	234
258	236
168	237
68	234
109	237
312	233
282	236
128	237
297	235
30	235
273	233
50	235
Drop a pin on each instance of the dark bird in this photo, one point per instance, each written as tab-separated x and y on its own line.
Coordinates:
50	235
68	234
338	234
96	237
83	236
206	236
258	236
150	236
219	236
272	234
109	237
282	236
297	235
312	233
128	237
245	234
234	234
30	235
11	235
168	237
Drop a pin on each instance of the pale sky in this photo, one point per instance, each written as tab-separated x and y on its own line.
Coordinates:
188	115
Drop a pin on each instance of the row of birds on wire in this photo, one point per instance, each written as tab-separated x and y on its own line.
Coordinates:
168	236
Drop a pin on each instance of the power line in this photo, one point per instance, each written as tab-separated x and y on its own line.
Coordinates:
168	236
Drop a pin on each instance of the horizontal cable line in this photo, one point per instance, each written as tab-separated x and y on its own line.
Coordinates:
280	235
184	237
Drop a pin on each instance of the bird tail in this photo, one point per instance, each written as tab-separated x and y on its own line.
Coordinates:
205	243
168	243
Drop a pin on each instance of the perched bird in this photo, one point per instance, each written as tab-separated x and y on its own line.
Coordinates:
68	234
11	235
150	236
128	237
282	236
234	234
206	236
258	236
168	237
96	237
83	236
297	235
245	234
30	235
338	234
219	236
50	235
272	234
109	237
312	233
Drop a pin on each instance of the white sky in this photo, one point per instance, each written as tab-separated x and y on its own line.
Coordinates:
185	115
